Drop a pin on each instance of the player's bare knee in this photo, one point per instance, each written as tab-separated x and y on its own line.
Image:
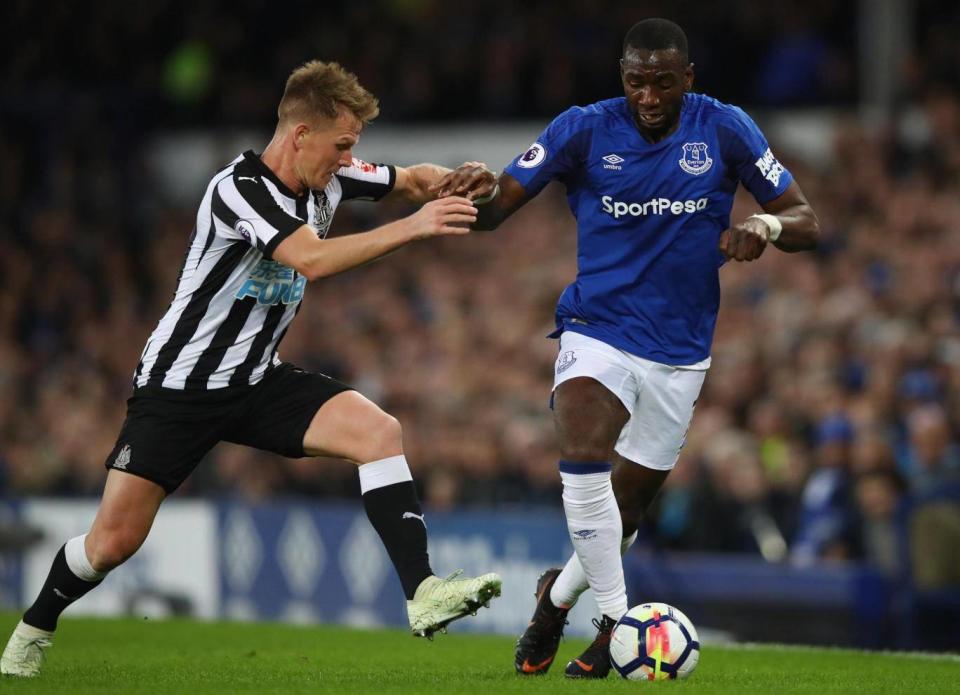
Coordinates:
587	439
585	451
111	550
385	437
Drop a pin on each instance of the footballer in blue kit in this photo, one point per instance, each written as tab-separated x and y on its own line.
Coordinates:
650	178
649	218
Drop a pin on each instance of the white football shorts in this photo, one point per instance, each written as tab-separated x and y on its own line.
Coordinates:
659	398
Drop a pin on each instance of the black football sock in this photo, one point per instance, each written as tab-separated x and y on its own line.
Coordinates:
61	589
394	511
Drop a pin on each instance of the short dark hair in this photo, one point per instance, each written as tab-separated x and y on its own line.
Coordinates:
655	35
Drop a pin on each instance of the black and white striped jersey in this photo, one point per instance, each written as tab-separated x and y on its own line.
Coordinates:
233	303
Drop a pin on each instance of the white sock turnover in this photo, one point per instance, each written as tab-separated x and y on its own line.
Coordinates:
75	554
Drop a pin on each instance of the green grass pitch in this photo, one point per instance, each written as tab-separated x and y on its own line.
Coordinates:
179	656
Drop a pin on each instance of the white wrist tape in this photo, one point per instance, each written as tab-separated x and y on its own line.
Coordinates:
487	198
773	222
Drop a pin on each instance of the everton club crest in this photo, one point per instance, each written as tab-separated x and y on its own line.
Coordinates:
565	361
695	160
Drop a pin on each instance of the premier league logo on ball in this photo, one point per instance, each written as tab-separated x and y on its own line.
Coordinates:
695	160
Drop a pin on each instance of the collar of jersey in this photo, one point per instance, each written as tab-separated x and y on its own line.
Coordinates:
266	171
685	110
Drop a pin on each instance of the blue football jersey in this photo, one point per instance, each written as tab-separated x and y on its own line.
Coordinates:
649	218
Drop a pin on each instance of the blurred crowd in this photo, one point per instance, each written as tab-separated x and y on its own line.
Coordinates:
833	402
219	63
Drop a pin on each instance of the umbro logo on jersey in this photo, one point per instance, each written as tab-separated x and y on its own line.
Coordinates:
123	458
585	534
613	161
246	178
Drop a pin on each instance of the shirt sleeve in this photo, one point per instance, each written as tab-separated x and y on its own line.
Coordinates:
244	209
364	181
556	155
750	155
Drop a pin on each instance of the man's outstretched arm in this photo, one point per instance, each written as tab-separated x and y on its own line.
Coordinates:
413	183
316	258
496	199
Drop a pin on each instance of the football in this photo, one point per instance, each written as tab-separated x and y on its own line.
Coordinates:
654	641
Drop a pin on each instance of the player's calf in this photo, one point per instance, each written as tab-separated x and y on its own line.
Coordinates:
71	576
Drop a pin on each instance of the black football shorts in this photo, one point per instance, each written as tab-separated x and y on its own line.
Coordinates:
167	432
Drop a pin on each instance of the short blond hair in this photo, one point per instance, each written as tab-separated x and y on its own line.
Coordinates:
316	89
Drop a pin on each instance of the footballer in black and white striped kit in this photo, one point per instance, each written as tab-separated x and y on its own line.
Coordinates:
233	303
210	371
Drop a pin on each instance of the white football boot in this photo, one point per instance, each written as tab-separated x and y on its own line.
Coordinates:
438	602
24	653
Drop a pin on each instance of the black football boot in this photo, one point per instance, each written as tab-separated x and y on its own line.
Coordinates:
595	660
538	645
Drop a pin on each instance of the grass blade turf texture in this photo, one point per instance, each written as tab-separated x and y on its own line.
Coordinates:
179	656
